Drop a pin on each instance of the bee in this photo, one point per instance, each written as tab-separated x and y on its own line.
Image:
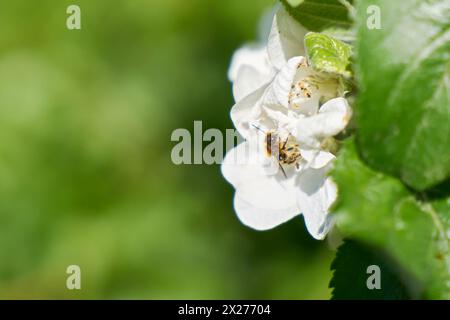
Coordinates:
286	151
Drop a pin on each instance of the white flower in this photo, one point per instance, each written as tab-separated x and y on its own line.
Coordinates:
255	65
277	98
269	191
277	76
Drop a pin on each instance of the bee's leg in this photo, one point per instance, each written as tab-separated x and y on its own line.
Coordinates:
282	170
297	165
285	141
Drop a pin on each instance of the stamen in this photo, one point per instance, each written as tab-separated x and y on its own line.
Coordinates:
300	91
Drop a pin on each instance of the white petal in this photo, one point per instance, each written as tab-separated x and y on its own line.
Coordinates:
285	39
317	158
331	119
305	136
279	118
316	194
278	91
247	81
249	70
339	106
266	202
241	164
253	55
270	166
246	111
306	106
261	201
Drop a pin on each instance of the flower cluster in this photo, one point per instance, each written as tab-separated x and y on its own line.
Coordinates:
288	114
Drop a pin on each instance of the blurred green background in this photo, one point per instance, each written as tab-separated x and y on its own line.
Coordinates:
85	171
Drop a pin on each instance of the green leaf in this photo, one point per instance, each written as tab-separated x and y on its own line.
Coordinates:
380	211
328	54
317	15
440	211
351	273
405	85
